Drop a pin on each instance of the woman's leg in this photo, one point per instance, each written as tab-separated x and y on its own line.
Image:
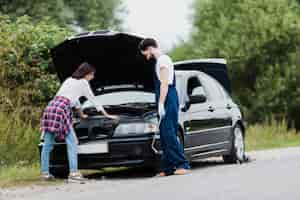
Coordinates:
46	150
71	142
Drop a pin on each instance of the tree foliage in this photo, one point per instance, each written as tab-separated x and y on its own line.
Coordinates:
88	14
25	64
261	41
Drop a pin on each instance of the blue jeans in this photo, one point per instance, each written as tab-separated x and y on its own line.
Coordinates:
49	140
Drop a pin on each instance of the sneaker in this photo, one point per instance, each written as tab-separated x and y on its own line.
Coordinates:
76	177
47	177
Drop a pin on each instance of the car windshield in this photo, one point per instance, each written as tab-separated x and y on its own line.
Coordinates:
123	97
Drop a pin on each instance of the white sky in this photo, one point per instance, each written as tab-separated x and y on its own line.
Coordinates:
165	20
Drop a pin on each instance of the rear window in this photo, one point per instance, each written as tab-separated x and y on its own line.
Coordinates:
213	88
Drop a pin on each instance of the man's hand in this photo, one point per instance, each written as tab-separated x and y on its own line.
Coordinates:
161	110
83	116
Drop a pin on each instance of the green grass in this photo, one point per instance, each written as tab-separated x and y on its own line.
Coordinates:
271	135
21	176
30	175
18	139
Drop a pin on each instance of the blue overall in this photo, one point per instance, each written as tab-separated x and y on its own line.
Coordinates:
173	155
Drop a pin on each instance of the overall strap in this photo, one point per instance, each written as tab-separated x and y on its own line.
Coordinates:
174	81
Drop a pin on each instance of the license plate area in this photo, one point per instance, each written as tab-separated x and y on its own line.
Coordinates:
93	148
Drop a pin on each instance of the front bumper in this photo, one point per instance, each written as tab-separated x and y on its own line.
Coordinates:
132	151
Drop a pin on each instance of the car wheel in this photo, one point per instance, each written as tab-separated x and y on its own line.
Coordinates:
59	172
237	153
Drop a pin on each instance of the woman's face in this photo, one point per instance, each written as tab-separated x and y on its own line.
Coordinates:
90	76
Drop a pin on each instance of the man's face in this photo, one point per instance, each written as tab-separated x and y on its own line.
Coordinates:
147	53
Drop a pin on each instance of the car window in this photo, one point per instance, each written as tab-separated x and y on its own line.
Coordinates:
223	91
198	91
192	84
212	88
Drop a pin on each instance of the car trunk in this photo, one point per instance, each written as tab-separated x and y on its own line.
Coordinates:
217	68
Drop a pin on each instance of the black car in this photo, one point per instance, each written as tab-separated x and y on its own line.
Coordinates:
210	123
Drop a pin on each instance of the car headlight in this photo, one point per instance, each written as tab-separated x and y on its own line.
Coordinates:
136	128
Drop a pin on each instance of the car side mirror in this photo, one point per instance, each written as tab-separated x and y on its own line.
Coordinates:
197	99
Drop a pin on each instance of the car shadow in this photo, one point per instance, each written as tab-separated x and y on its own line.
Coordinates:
122	173
142	172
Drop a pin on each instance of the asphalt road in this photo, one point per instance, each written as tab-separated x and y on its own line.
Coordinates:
273	175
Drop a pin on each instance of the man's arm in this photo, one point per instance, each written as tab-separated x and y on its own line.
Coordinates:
164	85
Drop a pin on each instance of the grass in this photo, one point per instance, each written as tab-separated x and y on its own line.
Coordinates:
22	176
18	139
30	175
270	135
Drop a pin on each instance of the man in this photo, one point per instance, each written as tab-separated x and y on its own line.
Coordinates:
173	160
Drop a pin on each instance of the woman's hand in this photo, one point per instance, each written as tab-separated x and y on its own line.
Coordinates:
112	116
83	116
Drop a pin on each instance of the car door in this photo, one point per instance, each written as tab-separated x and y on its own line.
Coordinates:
219	134
199	118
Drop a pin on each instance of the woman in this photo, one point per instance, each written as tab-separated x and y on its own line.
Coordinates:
57	118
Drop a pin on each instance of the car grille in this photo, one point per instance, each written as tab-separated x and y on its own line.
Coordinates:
95	129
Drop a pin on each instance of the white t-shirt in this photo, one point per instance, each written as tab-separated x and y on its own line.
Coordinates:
165	61
73	89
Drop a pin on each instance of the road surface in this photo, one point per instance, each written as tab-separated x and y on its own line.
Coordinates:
273	174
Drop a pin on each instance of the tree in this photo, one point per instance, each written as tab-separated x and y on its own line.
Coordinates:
96	14
261	41
26	77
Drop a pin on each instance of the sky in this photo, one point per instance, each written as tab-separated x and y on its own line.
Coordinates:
168	21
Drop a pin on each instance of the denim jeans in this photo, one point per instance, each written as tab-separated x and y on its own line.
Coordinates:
71	141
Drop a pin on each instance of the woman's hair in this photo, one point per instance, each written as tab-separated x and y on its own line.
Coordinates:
148	42
83	70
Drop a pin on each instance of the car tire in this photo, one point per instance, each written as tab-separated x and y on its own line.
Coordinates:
59	172
237	152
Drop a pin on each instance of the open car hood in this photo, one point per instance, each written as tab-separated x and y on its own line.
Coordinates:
217	68
115	56
119	62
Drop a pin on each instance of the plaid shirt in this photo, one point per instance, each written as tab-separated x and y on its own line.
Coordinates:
57	117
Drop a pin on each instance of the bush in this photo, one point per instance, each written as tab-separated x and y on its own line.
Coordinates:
25	58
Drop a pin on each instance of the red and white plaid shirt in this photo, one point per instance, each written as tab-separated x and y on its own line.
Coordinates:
57	117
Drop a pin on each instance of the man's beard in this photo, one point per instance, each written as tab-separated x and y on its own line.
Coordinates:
152	59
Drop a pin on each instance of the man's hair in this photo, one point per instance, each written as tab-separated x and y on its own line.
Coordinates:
83	70
148	42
